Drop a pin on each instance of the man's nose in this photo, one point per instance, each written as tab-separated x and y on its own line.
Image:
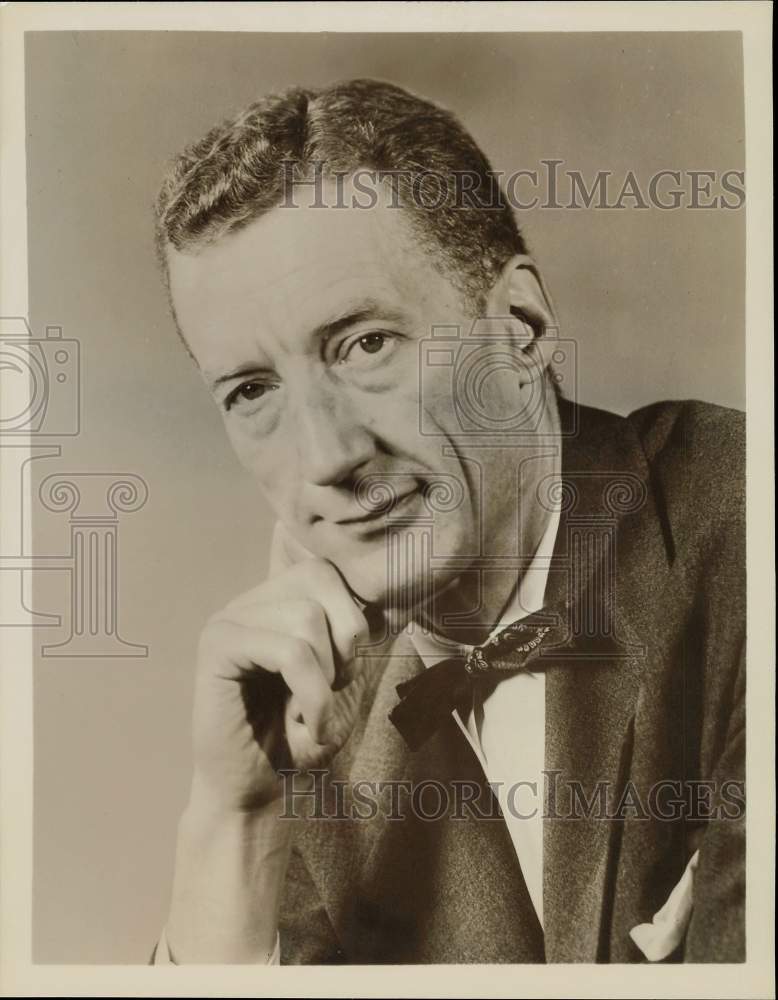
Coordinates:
332	442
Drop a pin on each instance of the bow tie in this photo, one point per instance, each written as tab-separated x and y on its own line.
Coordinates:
427	700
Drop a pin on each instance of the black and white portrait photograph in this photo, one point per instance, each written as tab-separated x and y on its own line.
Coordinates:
387	490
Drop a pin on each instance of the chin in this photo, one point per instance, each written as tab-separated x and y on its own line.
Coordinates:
398	580
369	577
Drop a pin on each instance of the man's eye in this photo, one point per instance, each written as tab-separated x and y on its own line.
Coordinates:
363	350
372	343
247	392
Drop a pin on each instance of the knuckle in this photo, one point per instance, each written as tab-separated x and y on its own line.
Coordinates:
310	615
353	629
213	634
297	650
360	627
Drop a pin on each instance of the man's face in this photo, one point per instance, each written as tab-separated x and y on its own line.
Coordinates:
307	326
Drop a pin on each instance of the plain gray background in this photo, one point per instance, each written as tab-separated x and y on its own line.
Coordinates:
655	300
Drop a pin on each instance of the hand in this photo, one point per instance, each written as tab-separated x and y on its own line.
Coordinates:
275	680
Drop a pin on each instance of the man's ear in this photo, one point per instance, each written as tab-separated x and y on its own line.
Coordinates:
522	289
527	294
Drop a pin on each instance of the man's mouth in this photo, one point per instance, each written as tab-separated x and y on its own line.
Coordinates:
367	519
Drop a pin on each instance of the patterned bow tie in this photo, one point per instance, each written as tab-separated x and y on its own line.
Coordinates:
428	699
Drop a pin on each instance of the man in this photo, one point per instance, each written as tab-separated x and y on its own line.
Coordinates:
557	592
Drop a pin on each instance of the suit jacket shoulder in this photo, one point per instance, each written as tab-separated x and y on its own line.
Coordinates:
696	452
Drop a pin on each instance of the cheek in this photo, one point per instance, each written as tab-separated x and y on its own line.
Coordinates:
475	391
436	405
271	465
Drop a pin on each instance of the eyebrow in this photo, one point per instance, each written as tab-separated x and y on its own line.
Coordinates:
247	369
352	314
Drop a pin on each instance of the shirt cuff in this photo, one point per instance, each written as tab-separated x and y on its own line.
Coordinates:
163	955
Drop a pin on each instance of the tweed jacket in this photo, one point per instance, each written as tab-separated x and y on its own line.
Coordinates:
644	712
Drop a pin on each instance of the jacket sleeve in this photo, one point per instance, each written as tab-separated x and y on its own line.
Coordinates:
716	931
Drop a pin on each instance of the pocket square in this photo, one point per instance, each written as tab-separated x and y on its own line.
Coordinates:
663	935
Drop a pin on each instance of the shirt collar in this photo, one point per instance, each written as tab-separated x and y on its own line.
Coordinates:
526	597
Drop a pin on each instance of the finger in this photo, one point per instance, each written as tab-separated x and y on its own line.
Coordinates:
237	651
305	620
348	625
319	581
